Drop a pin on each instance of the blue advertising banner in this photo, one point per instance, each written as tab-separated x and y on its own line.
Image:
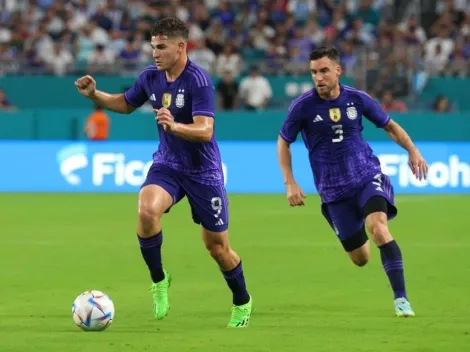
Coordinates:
249	167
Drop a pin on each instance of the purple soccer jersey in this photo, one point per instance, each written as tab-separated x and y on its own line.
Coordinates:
191	94
341	160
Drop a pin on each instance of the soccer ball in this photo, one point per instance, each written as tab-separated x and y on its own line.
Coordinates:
93	311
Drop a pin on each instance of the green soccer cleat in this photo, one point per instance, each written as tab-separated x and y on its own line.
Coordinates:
241	315
403	308
160	297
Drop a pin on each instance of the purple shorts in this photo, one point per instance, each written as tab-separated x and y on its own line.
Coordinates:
209	204
346	216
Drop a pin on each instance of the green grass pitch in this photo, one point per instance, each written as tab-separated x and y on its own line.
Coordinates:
307	295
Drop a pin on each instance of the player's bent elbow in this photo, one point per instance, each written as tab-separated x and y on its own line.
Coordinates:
128	109
207	135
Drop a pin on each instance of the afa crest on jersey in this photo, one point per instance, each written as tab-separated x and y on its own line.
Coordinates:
335	114
351	112
179	100
166	100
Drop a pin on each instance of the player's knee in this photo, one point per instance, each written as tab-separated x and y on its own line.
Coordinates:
380	232
217	250
361	260
147	214
361	255
379	229
149	217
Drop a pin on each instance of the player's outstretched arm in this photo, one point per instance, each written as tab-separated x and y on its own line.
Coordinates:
295	195
86	85
416	161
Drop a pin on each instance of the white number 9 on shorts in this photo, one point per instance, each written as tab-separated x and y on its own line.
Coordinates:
217	206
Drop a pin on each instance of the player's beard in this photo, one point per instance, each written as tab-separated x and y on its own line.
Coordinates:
324	91
172	64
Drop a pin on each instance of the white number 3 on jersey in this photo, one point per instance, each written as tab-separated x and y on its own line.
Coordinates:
338	129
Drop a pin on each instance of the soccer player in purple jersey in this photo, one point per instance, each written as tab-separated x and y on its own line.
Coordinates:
356	196
186	163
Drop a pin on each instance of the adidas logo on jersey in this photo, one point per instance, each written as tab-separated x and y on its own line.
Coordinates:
152	97
317	118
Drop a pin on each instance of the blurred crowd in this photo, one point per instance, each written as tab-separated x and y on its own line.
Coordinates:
385	44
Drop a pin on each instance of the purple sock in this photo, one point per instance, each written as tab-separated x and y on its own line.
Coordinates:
236	282
151	251
393	265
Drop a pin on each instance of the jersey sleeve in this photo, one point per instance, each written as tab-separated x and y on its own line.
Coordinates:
136	95
373	112
203	100
292	124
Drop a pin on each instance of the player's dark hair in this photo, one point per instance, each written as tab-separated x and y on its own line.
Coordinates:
171	27
325	51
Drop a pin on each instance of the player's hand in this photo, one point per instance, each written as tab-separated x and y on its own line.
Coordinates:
295	195
86	85
418	165
165	118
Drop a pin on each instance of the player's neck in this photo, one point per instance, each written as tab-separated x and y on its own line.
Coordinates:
333	94
173	73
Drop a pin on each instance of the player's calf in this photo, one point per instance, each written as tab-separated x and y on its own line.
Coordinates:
219	249
376	224
230	264
360	256
390	253
357	247
153	201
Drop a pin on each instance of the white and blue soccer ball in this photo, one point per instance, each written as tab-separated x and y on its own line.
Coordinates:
93	311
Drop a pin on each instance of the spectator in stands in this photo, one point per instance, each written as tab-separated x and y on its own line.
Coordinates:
358	34
302	42
436	61
129	57
7	53
97	34
438	50
203	56
101	61
5	104
97	125
84	44
368	15
412	32
117	42
227	90
458	64
296	64
268	32
229	61
5	33
441	104
255	90
316	33
274	62
455	9
348	58
301	8
391	104
58	62
260	35
102	19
